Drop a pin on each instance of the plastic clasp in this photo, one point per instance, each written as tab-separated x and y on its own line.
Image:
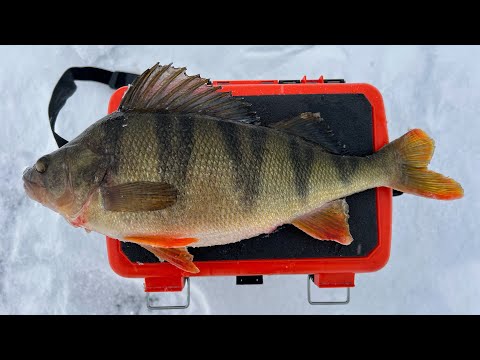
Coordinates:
332	280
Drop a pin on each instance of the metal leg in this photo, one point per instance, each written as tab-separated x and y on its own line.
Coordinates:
309	281
171	307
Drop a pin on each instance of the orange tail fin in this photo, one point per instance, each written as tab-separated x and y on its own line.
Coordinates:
414	151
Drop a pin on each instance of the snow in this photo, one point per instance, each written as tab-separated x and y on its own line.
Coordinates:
49	267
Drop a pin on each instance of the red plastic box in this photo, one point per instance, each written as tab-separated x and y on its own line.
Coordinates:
328	272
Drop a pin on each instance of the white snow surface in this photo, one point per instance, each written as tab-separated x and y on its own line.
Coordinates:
49	267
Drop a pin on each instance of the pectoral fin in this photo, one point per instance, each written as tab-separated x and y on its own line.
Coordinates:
330	222
138	196
179	257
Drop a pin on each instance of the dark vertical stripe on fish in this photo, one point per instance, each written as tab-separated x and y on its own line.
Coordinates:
114	128
164	130
346	167
174	147
246	167
308	161
258	140
302	158
232	145
185	138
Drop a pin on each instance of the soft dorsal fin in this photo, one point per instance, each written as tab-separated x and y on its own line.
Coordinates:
169	89
312	127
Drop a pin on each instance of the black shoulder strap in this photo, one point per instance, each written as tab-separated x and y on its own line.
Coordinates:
66	87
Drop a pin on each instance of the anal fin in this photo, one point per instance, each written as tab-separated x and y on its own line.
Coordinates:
330	222
179	257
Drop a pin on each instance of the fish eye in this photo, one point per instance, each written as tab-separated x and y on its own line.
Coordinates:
41	165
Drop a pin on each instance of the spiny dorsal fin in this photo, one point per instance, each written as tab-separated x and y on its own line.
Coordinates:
170	89
312	127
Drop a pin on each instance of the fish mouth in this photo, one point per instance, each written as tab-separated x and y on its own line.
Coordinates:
35	190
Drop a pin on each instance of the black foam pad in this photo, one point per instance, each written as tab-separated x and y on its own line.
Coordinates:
350	118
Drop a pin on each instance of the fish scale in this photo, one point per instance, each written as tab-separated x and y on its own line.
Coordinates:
139	139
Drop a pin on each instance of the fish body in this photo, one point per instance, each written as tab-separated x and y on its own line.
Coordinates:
234	180
182	165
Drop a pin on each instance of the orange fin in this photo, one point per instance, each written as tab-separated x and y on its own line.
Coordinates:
163	241
330	222
414	151
179	257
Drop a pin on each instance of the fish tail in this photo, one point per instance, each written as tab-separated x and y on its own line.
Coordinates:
412	153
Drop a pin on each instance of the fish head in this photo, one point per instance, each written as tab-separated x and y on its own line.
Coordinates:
47	181
64	180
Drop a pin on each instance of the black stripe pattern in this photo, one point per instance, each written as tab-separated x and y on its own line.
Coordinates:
302	158
247	164
164	126
185	131
346	167
258	140
175	144
113	133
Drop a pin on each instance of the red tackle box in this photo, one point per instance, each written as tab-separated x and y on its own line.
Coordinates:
356	114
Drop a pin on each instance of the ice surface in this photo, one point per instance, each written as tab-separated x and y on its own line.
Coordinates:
47	266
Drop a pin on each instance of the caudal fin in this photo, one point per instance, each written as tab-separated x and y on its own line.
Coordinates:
413	151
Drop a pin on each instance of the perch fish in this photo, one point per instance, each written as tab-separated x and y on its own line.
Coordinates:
181	164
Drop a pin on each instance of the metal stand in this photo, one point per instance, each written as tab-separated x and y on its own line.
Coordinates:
309	281
171	307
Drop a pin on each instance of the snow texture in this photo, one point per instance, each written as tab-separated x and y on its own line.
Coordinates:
49	267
